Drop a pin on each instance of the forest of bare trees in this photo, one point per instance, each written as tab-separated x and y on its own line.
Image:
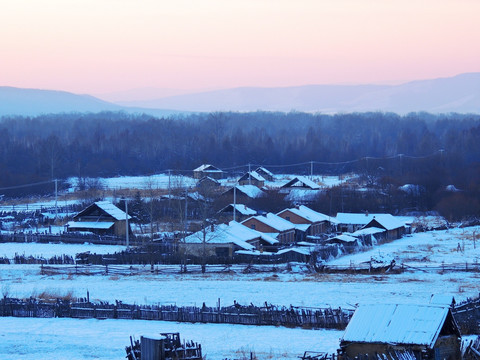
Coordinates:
432	151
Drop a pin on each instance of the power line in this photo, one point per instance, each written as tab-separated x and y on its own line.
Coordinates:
27	185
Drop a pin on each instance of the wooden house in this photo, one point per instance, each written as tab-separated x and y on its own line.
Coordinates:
401	331
281	229
351	222
225	239
207	181
301	182
102	218
393	227
301	214
243	193
266	174
252	178
207	170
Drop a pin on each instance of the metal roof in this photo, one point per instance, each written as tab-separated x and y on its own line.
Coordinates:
396	324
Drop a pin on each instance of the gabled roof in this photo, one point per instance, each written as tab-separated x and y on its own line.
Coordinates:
253	175
245	232
241	208
208	178
208	168
368	231
301	181
261	168
398	324
220	234
107	207
344	238
308	214
355	218
387	221
251	191
274	221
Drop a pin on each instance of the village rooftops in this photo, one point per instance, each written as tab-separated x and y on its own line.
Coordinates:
387	221
244	232
355	218
108	208
274	221
206	168
302	182
309	214
220	234
251	191
252	175
368	231
241	208
398	324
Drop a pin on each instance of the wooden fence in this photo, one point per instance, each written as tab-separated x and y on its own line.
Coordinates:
245	315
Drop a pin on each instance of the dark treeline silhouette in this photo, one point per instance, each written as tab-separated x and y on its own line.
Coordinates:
108	144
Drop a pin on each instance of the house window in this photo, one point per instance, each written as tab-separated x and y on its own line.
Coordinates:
252	226
287	218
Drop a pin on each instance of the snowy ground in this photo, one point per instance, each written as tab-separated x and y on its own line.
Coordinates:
9	250
86	339
433	247
106	339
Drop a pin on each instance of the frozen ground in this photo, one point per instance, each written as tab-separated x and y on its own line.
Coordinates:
46	339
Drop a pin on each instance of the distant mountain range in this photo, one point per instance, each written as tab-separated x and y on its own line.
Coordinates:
460	93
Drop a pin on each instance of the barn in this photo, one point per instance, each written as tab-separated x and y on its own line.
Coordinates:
401	331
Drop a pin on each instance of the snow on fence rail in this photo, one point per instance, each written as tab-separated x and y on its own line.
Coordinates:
237	314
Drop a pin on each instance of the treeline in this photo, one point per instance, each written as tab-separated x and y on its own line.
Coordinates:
439	149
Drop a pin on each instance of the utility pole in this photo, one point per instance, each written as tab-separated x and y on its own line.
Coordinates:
126	223
235	202
311	170
56	198
249	175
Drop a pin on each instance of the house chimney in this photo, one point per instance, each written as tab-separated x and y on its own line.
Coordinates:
212	227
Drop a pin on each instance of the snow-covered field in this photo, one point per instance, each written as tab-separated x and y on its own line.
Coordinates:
46	339
105	339
9	250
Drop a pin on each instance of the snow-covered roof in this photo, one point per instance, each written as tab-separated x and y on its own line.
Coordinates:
354	218
302	181
388	221
261	168
241	208
343	237
221	234
102	225
249	234
396	324
309	214
302	227
299	250
112	210
254	252
274	221
250	190
368	231
253	175
207	168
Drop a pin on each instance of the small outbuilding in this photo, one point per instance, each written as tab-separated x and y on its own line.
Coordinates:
207	170
401	331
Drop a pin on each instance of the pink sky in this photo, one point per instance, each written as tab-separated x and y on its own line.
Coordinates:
101	46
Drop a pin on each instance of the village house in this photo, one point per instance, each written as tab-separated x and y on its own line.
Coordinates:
351	222
243	193
102	218
207	170
242	212
266	174
301	190
393	227
252	178
401	331
277	227
207	181
225	239
301	214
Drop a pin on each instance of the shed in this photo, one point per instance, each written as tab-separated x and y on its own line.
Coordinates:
301	182
425	332
266	174
252	178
